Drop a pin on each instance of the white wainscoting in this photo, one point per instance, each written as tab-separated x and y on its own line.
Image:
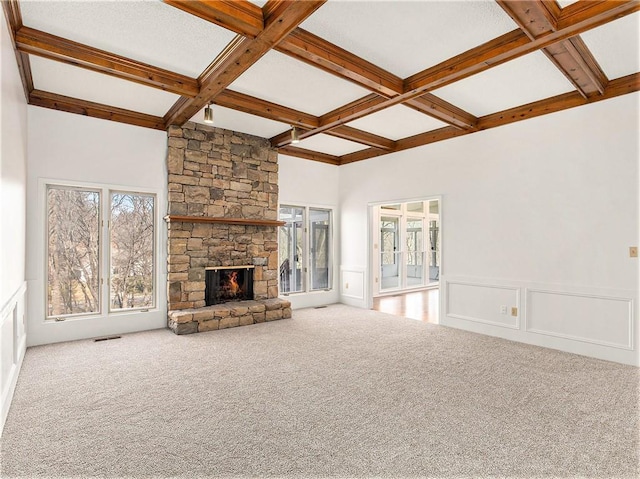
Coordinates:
607	321
600	323
13	343
352	286
490	304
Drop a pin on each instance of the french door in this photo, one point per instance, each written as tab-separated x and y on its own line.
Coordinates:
406	246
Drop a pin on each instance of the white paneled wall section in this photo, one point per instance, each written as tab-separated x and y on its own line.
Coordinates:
312	184
13	344
76	150
13	171
539	217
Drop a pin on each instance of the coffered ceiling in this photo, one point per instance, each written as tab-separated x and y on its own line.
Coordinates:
359	78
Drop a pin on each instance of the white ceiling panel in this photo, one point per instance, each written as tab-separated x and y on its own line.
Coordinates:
56	77
397	122
280	79
330	145
147	31
564	3
616	47
524	80
405	37
242	122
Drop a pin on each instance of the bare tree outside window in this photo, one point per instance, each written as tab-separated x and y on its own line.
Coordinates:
132	251
73	258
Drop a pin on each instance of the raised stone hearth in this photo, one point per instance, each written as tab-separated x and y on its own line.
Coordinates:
223	209
228	315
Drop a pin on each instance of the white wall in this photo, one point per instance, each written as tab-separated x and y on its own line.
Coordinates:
310	183
68	147
542	211
13	160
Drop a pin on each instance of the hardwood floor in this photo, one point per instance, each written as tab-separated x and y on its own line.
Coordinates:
420	305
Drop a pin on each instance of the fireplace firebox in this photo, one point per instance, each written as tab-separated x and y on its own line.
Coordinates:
228	283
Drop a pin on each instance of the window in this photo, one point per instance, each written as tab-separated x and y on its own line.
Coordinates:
131	248
290	249
320	239
305	260
73	235
77	253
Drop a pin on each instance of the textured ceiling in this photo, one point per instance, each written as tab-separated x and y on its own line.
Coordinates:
283	80
523	80
404	37
358	49
145	30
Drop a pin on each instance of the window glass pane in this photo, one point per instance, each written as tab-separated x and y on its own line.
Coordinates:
391	207
390	254
73	259
416	207
132	251
415	252
434	241
290	249
319	222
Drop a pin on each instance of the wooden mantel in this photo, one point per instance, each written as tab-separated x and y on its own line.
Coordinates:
228	221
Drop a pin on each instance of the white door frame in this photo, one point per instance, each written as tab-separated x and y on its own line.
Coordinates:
372	221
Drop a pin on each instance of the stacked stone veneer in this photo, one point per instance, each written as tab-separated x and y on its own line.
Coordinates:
218	173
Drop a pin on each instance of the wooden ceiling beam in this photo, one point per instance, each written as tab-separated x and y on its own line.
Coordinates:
29	40
309	155
618	87
534	17
593	13
94	110
322	54
362	137
421	139
537	18
354	110
242	54
13	17
443	111
309	48
239	16
574	19
492	53
272	111
576	62
343	131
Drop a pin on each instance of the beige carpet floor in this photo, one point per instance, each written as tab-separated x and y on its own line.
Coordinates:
334	392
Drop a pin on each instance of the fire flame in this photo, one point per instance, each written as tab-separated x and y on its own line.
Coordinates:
232	285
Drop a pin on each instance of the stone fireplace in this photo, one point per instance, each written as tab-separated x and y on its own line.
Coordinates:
222	229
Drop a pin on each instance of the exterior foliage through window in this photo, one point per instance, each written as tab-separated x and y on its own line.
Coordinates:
77	254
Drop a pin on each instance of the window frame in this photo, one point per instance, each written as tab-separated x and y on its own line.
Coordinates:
154	258
306	249
77	187
104	247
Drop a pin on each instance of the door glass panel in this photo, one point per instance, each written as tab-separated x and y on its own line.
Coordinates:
434	241
320	252
290	249
389	254
415	253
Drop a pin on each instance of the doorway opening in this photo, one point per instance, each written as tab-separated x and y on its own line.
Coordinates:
420	305
406	256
